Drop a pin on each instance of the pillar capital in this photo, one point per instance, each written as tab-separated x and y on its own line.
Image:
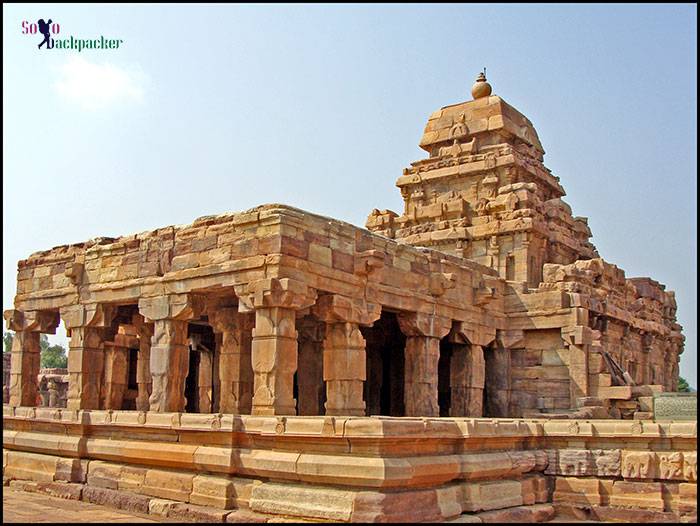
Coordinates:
441	282
37	321
172	307
333	308
474	334
96	315
579	335
510	339
368	261
229	319
421	324
276	292
143	327
310	330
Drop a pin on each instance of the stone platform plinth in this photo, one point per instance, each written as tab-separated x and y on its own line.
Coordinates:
359	468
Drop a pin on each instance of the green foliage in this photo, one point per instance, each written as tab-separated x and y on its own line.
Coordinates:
54	356
683	386
51	355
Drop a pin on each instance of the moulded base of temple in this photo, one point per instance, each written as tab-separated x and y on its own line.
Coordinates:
349	469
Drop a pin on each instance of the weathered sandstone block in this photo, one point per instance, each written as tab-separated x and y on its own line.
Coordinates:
645	495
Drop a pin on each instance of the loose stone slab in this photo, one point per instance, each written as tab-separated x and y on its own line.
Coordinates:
676	406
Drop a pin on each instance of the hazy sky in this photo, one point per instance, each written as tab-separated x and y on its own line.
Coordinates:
208	109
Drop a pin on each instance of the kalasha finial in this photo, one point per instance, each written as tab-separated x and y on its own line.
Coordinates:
481	88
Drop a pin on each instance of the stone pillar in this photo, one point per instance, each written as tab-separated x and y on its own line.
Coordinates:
274	359
24	368
578	339
235	368
205	381
468	369
86	324
170	351
344	358
310	367
170	364
116	365
216	378
522	260
144	379
26	352
423	333
274	349
645	365
467	373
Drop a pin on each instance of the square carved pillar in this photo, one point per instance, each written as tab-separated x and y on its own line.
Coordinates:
467	374
310	367
579	339
344	356
205	381
144	380
423	333
476	374
274	358
235	367
24	368
344	369
274	349
468	368
646	365
459	380
116	363
26	352
170	364
86	324
170	351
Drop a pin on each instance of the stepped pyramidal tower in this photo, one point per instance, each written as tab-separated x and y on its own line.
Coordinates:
485	194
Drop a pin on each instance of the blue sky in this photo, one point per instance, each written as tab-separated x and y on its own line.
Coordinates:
208	109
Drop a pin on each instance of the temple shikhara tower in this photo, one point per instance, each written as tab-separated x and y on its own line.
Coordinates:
473	353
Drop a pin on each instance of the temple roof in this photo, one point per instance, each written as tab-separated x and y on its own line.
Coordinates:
486	115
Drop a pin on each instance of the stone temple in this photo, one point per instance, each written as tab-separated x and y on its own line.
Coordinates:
470	359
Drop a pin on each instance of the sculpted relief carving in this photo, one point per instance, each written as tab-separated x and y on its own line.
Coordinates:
639	465
608	462
671	465
690	466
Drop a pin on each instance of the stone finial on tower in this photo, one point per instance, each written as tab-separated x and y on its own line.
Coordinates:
481	88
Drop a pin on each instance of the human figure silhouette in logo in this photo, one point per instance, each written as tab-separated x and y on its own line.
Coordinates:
44	30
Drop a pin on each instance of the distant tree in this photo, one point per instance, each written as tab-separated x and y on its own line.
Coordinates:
52	356
683	386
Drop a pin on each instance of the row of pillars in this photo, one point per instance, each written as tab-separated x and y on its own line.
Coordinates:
96	371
